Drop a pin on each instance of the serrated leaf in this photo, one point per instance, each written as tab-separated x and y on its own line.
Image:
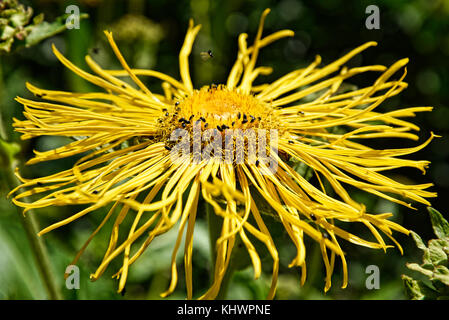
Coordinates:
439	224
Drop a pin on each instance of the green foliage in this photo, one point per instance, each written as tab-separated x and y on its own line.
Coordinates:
434	268
416	29
8	151
44	29
18	28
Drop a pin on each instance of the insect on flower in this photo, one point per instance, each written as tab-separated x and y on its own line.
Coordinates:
141	182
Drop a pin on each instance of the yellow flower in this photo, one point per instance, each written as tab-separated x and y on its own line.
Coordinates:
125	133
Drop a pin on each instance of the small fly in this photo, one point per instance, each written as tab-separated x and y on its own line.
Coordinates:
206	55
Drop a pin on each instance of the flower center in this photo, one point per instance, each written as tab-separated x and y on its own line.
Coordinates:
220	124
218	107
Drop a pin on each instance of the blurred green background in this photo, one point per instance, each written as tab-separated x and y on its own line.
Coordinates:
150	34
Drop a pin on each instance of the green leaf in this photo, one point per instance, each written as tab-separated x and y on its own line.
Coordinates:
446	246
441	273
435	264
7	13
6	32
436	252
46	29
42	31
21	19
417	267
439	224
418	290
38	19
419	242
6	45
412	288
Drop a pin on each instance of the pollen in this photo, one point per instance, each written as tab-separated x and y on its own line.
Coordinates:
226	111
219	107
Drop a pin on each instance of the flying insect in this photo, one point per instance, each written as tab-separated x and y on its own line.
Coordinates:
206	55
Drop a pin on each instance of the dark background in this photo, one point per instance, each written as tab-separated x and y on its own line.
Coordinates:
150	34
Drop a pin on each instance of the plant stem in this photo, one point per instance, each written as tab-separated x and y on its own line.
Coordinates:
28	222
225	283
37	246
